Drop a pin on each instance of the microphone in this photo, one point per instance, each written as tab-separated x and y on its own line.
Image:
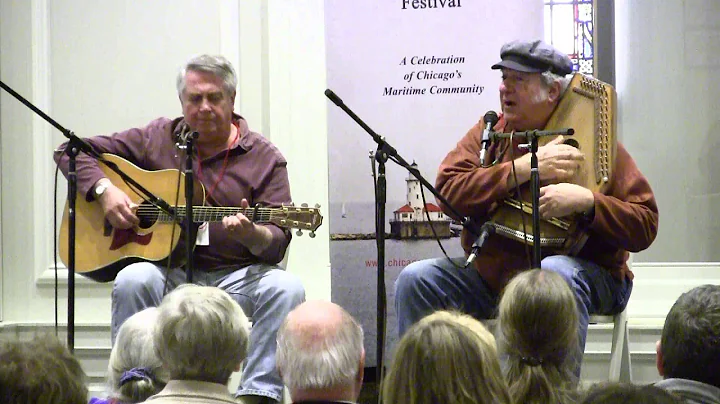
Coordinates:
485	231
490	119
183	132
334	98
181	129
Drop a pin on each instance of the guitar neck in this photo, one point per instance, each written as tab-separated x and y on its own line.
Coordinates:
297	217
203	214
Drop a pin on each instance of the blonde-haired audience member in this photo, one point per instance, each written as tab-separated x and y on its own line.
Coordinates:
446	357
201	337
538	323
134	371
41	370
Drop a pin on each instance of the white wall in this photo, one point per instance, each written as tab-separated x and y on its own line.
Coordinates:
668	77
97	67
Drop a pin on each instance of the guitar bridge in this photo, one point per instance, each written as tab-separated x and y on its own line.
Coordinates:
107	228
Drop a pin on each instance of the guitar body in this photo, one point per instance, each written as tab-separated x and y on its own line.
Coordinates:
101	250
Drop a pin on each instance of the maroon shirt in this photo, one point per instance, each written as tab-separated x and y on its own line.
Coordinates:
256	171
625	219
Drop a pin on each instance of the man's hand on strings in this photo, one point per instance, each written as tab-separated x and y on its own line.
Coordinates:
238	223
255	237
564	199
558	162
119	209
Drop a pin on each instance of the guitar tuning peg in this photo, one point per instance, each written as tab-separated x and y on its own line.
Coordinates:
317	206
304	205
299	232
312	234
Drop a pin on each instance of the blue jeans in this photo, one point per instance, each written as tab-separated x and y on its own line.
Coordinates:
435	284
266	294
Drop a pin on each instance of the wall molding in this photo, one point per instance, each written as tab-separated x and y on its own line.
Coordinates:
47	278
653	273
42	133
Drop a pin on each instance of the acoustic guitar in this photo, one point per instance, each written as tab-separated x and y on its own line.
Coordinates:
102	251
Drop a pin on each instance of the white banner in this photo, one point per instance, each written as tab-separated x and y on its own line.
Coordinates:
418	73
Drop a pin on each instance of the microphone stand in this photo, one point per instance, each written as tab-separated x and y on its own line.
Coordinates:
384	152
532	137
186	140
74	147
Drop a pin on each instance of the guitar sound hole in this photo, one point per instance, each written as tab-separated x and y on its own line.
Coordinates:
147	214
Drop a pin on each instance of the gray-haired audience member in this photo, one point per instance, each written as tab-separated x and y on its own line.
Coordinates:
40	371
688	354
626	393
134	370
320	354
201	337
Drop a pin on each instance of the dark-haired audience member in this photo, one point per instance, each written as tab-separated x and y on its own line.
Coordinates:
41	370
201	337
688	354
320	354
538	322
446	357
625	393
134	371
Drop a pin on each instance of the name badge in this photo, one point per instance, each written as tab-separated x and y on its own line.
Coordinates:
203	234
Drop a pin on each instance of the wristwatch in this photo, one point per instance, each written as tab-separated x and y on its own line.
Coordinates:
100	189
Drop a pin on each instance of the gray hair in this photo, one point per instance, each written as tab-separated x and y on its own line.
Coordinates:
330	361
548	78
216	65
134	348
201	334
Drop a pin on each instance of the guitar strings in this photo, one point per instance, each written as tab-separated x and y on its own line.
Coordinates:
263	214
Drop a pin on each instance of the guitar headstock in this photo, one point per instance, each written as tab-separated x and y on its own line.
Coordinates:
298	217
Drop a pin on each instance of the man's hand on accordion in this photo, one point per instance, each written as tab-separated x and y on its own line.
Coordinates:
564	199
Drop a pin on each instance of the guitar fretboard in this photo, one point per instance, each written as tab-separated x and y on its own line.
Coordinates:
206	213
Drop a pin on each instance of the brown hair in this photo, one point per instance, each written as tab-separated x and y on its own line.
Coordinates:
445	358
626	393
538	325
690	343
41	370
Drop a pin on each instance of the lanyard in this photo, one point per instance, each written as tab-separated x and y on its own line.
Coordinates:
224	166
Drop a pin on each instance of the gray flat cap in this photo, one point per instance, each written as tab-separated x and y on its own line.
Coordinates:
533	57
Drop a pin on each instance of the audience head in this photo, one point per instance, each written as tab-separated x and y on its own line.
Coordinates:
41	370
320	354
690	344
625	393
135	372
538	323
201	334
445	358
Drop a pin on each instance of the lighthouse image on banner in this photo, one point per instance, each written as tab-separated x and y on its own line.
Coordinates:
417	219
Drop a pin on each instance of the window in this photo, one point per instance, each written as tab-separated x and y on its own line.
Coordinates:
569	26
